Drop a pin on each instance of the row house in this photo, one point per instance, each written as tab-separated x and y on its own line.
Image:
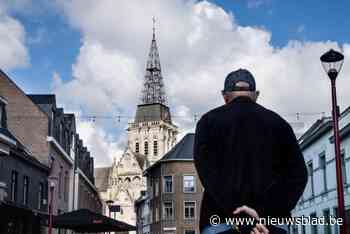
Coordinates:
85	191
49	134
174	192
320	196
23	183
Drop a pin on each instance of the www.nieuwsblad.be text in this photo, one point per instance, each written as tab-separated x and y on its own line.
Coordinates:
302	220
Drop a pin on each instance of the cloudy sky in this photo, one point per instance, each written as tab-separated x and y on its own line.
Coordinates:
92	55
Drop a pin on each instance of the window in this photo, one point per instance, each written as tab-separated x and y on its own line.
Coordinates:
137	147
294	229
14	180
189	184
190	232
66	182
190	209
156	187
335	214
40	195
313	227
168	184
155	148
60	182
151	188
151	216
311	175
324	172
343	166
327	226
347	216
168	210
1	115
146	148
25	190
157	214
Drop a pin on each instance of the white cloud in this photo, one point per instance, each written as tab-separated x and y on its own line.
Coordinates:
104	80
199	44
12	41
102	146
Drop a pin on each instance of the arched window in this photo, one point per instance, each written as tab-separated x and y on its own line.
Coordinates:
127	179
146	147
155	148
137	147
136	179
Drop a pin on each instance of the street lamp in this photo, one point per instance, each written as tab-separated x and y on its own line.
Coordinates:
109	203
332	62
51	188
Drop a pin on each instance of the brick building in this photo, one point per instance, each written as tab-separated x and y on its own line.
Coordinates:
49	134
23	184
174	192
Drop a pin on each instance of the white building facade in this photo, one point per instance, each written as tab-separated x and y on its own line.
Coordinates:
320	196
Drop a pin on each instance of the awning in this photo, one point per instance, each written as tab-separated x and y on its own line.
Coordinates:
84	220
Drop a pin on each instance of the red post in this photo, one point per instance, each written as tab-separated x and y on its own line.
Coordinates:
340	185
50	209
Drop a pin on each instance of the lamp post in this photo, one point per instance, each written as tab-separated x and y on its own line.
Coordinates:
51	188
109	203
332	62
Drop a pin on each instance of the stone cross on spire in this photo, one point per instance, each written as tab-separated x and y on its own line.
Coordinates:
153	86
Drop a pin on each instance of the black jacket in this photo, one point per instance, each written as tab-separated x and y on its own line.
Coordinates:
248	155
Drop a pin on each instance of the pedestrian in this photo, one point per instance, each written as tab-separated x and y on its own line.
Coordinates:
248	160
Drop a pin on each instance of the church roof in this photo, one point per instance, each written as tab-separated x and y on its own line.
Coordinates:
182	151
101	178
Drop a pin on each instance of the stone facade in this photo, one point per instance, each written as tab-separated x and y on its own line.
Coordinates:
151	138
124	185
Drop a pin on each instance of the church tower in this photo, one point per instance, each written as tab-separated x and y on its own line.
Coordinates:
152	133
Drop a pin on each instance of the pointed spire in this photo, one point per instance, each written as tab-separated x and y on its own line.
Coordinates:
153	87
154	28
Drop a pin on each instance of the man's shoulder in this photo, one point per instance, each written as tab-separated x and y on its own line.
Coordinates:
214	112
274	118
267	115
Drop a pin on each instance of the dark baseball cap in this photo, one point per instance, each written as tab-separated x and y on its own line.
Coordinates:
234	77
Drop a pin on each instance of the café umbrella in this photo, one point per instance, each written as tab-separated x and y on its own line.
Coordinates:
86	221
